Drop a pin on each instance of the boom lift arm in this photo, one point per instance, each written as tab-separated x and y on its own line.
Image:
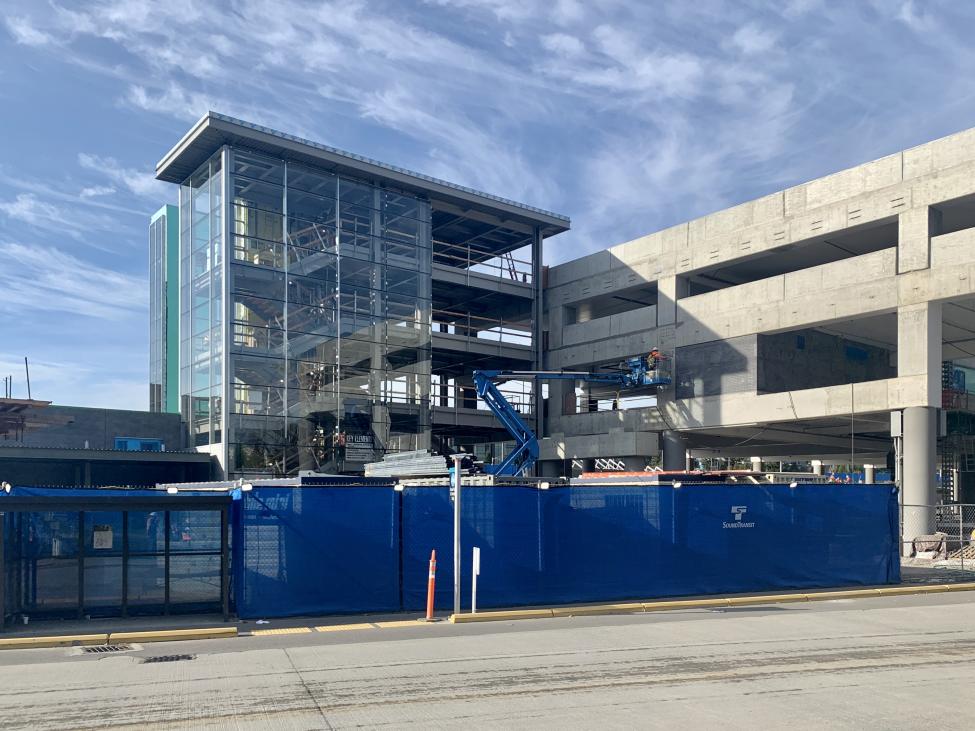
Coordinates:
639	372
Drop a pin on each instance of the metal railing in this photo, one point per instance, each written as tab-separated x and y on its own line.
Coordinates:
496	329
463	398
941	534
505	266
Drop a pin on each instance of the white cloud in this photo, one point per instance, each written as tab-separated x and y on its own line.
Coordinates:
752	39
48	279
566	12
915	19
28	208
562	44
26	34
139	182
93	191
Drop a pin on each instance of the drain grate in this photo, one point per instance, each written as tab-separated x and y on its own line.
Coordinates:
106	648
168	658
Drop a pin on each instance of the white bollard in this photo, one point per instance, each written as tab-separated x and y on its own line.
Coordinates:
476	570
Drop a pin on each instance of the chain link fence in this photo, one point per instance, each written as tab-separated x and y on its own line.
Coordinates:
939	535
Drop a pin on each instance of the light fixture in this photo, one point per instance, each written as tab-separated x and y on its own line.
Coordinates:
172	490
246	487
398	488
793	484
6	487
678	484
543	486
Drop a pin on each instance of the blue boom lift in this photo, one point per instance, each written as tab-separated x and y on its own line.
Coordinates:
640	372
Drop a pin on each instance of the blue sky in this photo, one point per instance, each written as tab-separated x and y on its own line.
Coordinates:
626	116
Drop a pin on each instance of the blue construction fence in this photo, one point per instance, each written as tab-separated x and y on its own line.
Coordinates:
321	550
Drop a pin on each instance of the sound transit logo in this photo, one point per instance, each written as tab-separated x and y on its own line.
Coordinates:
738	512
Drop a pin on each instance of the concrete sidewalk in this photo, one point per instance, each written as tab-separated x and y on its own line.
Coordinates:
917	580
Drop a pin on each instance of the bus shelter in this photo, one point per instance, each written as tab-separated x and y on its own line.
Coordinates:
99	552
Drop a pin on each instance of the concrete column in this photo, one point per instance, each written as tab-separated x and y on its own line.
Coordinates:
920	464
817	466
869	476
634	464
756	464
674	449
919	333
915	229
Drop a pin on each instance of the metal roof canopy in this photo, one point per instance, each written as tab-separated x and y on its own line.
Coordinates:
214	130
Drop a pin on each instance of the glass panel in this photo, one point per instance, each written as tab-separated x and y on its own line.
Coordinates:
264	459
147	531
319	321
257	339
311	291
258	167
256	430
399	204
258	399
255	194
258	282
316	264
310	235
50	535
256	371
147	580
194	530
103	582
314	181
258	252
194	580
311	208
407	230
258	311
53	584
257	223
352	192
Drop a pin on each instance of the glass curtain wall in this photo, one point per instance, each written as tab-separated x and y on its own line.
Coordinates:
157	312
201	303
330	287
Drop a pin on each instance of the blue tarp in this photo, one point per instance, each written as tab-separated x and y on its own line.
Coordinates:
367	549
316	550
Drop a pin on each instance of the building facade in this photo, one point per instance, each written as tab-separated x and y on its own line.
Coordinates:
163	302
815	323
332	308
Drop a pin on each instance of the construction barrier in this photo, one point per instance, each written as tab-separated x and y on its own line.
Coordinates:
316	550
355	549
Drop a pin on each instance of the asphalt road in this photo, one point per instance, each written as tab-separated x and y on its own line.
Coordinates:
898	662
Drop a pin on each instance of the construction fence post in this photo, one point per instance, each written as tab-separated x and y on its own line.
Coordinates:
457	556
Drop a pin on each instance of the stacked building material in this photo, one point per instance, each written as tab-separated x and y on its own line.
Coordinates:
408	464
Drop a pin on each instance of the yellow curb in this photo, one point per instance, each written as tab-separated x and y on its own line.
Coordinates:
744	601
173	635
342	627
281	631
401	623
12	643
655	606
684	604
850	594
502	615
627	608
